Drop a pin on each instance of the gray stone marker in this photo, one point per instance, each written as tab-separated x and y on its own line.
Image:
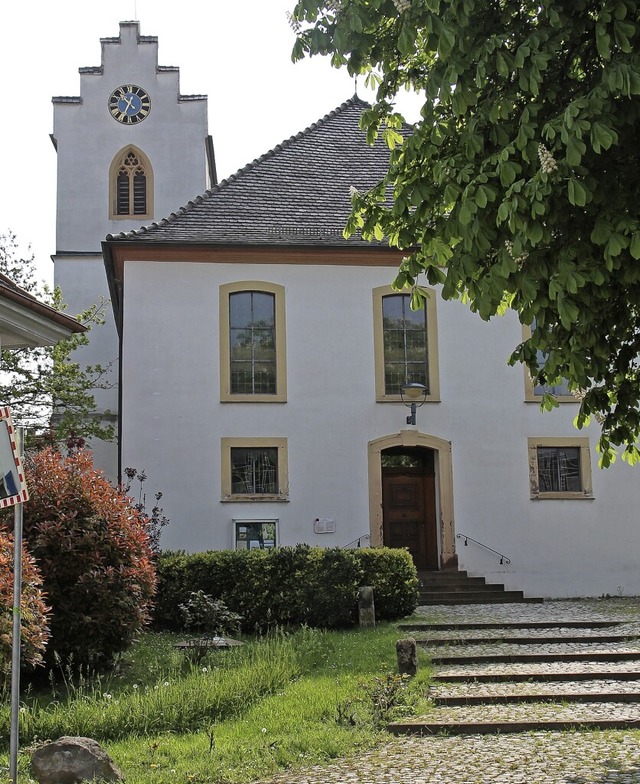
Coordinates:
366	607
407	653
71	760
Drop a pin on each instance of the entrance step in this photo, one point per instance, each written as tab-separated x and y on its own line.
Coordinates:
525	697
437	642
514	658
511	670
504	727
453	587
490	596
462	625
533	676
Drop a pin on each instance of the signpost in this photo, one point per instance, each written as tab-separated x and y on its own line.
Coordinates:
13	492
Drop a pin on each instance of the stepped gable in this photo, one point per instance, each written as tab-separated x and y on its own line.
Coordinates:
295	194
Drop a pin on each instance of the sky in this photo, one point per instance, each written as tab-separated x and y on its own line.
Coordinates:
238	53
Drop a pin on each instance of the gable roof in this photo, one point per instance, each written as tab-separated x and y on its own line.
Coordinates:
295	194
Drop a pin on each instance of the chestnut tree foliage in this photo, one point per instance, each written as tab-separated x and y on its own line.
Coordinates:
518	187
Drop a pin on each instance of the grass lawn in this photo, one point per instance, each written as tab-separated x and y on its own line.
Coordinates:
236	716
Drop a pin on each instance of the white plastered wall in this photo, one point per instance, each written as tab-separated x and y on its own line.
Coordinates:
173	422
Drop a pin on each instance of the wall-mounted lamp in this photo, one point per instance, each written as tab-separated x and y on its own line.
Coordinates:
413	396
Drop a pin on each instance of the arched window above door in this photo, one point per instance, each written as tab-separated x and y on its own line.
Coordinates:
130	185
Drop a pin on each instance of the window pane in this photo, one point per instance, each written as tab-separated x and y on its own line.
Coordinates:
139	193
263	309
559	469
252	343
240	309
122	196
405	344
254	471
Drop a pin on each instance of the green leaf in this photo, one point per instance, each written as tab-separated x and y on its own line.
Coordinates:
575	150
406	40
577	194
602	137
634	247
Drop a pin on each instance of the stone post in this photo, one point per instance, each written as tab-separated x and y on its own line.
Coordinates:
366	607
407	653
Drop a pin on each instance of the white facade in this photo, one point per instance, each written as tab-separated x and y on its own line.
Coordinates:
174	423
173	137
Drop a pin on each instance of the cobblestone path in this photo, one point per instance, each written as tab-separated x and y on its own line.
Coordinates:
582	692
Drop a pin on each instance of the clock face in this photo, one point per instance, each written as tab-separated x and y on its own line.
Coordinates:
129	104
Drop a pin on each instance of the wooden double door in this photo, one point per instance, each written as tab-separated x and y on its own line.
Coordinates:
409	513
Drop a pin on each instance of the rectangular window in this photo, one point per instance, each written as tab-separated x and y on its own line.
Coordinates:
405	344
252	338
559	468
252	343
254	469
533	392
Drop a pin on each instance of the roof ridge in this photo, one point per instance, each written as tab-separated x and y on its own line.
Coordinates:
354	101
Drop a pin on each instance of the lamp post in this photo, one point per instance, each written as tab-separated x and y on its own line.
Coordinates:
413	396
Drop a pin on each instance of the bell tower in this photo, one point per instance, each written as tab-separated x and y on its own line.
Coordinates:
131	149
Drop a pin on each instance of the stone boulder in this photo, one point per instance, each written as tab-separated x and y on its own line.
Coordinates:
72	761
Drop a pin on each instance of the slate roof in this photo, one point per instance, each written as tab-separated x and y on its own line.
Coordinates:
295	194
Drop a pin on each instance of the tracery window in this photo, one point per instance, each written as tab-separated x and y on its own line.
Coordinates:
131	185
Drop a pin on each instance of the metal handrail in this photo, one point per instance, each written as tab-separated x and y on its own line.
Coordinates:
356	542
467	539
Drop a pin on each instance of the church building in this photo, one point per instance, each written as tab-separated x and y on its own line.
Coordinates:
275	387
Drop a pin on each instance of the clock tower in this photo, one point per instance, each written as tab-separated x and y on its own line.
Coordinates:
131	149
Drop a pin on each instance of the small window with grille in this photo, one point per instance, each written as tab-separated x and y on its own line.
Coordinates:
559	468
254	469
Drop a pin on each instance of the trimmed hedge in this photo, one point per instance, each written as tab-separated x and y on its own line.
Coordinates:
288	586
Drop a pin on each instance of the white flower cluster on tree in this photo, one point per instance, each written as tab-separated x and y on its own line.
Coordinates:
353	191
402	5
294	23
547	161
518	259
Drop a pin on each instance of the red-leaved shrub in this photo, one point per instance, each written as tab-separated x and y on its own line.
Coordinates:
34	612
92	547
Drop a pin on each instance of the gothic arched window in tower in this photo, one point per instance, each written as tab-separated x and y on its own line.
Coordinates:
130	181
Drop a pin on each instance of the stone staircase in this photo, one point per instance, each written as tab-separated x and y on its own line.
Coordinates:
454	587
514	669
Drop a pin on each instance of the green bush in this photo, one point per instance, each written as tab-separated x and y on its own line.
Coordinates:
288	586
91	546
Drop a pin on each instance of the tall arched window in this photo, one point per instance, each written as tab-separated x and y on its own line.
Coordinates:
131	185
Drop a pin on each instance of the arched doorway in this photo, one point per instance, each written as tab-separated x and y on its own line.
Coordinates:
411	497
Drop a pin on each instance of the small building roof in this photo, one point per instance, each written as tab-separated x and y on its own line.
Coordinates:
27	322
296	194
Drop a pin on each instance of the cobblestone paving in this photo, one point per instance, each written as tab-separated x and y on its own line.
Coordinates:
596	757
537	758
